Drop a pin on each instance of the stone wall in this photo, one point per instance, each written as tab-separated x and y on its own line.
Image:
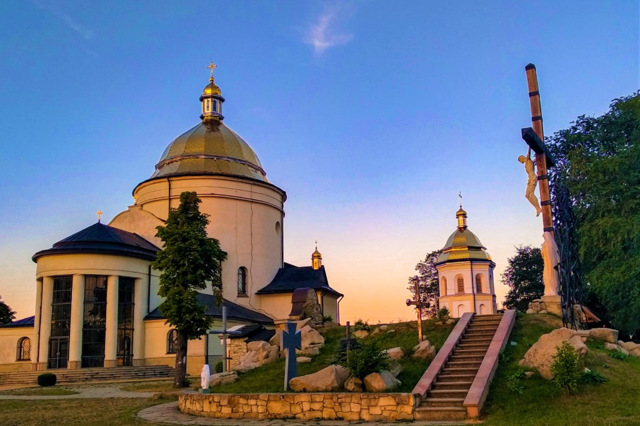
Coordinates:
330	406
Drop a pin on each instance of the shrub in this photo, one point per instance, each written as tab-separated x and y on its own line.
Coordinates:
443	315
327	318
591	376
514	381
366	359
47	379
361	325
567	368
617	355
218	367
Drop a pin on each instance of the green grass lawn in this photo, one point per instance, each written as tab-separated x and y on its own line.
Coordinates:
615	402
154	386
40	391
270	377
98	412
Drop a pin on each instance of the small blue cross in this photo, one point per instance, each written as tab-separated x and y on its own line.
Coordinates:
291	339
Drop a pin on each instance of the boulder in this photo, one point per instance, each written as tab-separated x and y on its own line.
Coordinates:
361	334
380	382
424	350
310	337
303	359
604	334
353	384
384	327
541	355
632	348
258	353
312	350
328	379
543	311
223	378
530	311
312	308
395	353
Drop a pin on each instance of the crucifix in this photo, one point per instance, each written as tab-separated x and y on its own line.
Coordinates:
419	304
99	213
534	137
291	339
211	66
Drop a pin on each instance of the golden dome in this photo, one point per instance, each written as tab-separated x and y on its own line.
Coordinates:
210	148
211	89
316	254
462	244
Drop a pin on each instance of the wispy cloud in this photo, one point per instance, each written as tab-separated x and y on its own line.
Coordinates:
324	34
84	32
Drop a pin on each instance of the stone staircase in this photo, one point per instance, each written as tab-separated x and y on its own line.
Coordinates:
446	396
90	374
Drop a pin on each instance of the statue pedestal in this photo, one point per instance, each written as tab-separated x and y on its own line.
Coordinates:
553	304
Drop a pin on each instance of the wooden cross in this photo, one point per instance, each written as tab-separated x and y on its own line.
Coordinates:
291	339
212	67
419	305
99	213
534	137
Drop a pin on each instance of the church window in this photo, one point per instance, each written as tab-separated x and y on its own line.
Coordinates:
24	349
94	324
60	323
460	283
443	292
126	286
242	281
172	341
478	283
215	106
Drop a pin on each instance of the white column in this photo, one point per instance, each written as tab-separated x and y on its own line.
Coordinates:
139	312
77	313
111	332
45	323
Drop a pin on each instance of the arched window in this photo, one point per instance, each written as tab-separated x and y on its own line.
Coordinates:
242	281
460	283
172	341
24	349
479	283
443	281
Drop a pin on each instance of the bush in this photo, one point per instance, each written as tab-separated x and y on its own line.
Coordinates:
366	359
591	376
567	368
514	381
327	318
617	355
47	379
443	315
218	367
361	325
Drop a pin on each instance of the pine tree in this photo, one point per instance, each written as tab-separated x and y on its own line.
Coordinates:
189	259
524	277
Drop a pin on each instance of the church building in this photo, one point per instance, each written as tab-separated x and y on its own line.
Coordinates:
97	302
465	271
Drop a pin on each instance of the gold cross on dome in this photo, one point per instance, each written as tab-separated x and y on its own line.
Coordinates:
212	66
99	213
460	195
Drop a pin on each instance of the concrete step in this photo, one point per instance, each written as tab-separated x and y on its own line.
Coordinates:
448	393
467	358
442	402
458	370
474	329
452	385
464	364
89	374
469	346
455	377
472	351
440	413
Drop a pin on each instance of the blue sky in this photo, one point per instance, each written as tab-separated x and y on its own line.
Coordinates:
372	115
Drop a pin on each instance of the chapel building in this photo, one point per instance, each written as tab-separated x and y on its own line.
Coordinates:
465	271
97	302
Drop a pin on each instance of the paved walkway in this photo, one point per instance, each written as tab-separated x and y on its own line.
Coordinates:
86	392
169	413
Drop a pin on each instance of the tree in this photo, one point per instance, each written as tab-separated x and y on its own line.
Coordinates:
6	314
523	275
427	279
188	260
597	162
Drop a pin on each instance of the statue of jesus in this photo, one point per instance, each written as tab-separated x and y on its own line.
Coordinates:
531	182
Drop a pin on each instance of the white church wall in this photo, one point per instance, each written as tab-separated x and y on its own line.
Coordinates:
9	337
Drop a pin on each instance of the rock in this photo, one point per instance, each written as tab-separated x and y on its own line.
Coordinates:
395	353
632	348
384	327
258	353
604	334
312	350
328	379
310	337
375	331
275	340
223	378
541	354
312	308
361	334
611	346
353	384
380	382
623	350
635	351
528	374
424	350
530	311
303	359
450	321
543	311
395	368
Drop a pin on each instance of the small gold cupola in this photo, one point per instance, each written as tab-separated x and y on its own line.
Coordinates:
316	258
211	100
461	215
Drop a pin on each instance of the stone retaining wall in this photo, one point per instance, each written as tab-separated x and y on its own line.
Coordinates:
342	406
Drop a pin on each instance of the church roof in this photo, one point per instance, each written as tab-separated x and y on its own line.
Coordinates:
210	148
25	322
462	245
293	277
234	311
103	239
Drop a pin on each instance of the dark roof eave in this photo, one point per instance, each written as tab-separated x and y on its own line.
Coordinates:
112	251
490	262
281	291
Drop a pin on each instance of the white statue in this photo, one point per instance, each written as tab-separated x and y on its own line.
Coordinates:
551	259
532	181
205	375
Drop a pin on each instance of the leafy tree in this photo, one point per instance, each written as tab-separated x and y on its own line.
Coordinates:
523	275
189	259
597	160
427	279
6	314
